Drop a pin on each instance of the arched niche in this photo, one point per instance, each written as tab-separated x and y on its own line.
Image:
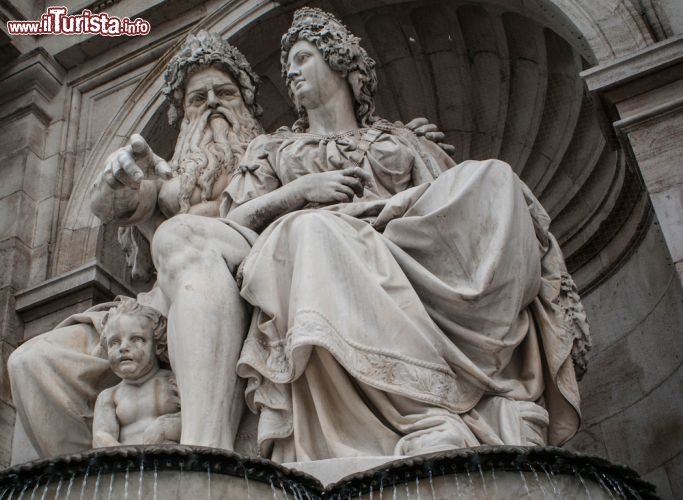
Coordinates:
499	77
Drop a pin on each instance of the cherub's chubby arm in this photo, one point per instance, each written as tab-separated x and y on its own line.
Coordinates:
105	427
164	430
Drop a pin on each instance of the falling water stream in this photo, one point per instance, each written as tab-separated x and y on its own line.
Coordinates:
47	485
33	493
156	478
495	483
538	482
83	483
142	471
604	486
111	485
483	481
246	480
208	471
125	484
583	483
526	485
59	487
284	491
97	483
553	482
71	483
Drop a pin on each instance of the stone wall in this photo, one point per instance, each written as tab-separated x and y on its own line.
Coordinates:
30	159
631	393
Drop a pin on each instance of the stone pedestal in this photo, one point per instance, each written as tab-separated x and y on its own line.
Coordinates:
642	96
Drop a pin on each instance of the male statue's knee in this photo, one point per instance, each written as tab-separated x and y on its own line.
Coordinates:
15	363
23	360
174	236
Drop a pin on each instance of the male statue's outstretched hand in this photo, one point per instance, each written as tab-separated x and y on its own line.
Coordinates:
127	186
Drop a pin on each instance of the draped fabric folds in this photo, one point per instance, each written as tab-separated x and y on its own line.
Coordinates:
424	315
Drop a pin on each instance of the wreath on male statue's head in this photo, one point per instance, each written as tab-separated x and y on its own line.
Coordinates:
204	50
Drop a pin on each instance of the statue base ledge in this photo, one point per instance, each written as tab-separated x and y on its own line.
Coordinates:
177	471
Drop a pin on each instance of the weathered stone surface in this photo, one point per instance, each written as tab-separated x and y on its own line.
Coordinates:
611	384
12	168
40	176
589	441
12	326
17	217
23	131
6	432
656	144
650	432
673	471
660	479
669	206
629	296
5	350
14	263
635	365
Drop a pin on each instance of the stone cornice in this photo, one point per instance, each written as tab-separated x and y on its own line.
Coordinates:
35	69
91	275
654	58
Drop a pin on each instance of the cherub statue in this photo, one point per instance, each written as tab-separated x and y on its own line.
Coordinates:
144	408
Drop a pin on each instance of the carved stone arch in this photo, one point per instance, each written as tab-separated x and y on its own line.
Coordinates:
557	149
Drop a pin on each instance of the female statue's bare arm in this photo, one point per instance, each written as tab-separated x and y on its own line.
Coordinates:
338	186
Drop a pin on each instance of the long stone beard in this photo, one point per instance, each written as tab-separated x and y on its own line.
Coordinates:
208	147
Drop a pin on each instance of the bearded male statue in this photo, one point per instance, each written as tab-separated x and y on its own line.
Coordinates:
138	190
56	377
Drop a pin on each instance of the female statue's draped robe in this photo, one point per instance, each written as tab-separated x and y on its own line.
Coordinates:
427	314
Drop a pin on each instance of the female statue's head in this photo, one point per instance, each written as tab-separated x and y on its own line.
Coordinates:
343	54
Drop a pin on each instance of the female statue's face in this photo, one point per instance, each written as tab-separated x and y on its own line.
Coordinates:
311	81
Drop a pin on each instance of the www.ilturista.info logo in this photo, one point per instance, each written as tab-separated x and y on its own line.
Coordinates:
56	22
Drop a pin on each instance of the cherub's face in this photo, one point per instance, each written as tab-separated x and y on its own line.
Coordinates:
130	346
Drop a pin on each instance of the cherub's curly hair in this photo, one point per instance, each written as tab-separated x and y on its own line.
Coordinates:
344	55
132	307
203	50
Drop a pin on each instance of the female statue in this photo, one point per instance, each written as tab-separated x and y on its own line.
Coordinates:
401	304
